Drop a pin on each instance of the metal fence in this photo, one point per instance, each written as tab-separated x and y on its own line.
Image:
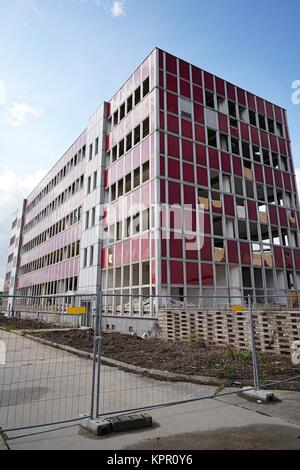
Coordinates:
58	361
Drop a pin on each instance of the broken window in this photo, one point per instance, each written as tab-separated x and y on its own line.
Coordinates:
243	114
235	146
209	99
271	126
279	129
266	157
224	142
275	160
212	138
238	184
283	163
246	150
256	153
252	118
222	105
128	224
262	122
232	109
290	280
136	224
242	228
214	179
217	226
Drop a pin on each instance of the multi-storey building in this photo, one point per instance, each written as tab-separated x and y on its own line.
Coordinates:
173	135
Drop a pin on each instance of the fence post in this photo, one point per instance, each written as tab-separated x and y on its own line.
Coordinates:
99	336
253	345
96	352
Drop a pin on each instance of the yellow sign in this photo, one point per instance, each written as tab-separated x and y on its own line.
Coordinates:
238	308
76	311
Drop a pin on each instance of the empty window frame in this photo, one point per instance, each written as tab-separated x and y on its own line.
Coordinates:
209	99
262	122
271	126
235	148
252	118
212	138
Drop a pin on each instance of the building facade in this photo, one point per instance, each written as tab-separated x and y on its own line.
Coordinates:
182	185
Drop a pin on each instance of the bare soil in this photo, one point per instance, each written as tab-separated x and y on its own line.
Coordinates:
14	323
193	358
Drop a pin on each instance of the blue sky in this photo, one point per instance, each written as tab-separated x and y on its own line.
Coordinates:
59	59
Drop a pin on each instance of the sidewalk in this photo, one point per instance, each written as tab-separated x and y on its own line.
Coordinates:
227	422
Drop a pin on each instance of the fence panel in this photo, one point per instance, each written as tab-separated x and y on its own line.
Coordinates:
40	384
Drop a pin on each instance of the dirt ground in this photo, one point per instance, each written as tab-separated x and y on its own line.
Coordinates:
14	323
194	358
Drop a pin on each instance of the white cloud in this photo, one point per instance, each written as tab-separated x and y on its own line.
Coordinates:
17	114
117	9
13	188
37	11
3	92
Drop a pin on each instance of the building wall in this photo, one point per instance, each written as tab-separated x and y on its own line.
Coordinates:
173	135
241	172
